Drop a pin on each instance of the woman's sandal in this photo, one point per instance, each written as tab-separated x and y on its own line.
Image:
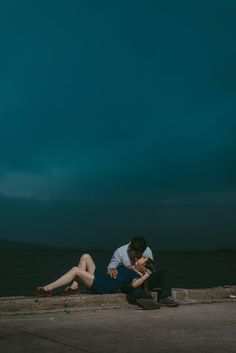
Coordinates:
41	292
71	291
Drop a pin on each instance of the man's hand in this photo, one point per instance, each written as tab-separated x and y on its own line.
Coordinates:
112	273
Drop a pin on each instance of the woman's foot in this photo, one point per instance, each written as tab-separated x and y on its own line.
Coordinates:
42	292
71	291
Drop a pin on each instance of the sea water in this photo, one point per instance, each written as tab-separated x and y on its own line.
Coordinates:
23	270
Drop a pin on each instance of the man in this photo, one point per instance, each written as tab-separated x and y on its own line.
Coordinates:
127	255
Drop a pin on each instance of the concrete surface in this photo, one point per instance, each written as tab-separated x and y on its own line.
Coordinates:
29	305
202	328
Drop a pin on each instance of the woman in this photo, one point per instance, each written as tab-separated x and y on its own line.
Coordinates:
96	281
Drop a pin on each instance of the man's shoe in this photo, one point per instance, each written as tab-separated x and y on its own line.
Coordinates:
131	299
148	304
168	301
71	291
41	292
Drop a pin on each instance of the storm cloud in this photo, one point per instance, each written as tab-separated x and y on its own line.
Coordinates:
118	119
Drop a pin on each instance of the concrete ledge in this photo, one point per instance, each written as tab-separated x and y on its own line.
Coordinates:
30	305
206	295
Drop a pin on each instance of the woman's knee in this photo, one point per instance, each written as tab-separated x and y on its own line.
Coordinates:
85	257
75	270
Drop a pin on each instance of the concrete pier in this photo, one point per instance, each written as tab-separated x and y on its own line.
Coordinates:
29	305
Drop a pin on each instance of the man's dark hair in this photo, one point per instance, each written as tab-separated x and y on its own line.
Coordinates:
138	244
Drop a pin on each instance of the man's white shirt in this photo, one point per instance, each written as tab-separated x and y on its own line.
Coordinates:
121	257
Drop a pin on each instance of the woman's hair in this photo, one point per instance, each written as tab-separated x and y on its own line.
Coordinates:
150	264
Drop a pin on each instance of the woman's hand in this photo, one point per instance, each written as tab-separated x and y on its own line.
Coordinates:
139	267
142	260
140	264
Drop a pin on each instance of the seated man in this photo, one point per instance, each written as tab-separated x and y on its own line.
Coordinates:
127	255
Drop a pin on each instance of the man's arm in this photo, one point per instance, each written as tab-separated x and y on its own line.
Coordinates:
113	264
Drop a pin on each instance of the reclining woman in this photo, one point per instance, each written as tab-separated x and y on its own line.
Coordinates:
98	282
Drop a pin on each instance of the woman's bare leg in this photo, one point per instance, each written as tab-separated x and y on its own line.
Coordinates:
86	264
84	276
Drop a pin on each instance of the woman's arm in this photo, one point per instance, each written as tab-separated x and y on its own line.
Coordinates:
137	282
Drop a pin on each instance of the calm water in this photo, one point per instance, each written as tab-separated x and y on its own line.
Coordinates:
22	271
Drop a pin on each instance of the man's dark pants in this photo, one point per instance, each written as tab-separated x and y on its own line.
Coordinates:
159	279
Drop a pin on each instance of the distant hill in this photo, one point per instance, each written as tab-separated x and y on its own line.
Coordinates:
17	245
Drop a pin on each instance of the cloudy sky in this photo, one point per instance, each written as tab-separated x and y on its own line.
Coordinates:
118	118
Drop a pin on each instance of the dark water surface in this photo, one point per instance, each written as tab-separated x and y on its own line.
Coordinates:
23	270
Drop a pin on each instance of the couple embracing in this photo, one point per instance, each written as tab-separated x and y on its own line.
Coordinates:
131	270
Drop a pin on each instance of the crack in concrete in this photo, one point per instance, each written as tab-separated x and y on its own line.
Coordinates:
7	335
47	338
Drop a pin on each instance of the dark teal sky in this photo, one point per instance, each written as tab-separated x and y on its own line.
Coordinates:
118	118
